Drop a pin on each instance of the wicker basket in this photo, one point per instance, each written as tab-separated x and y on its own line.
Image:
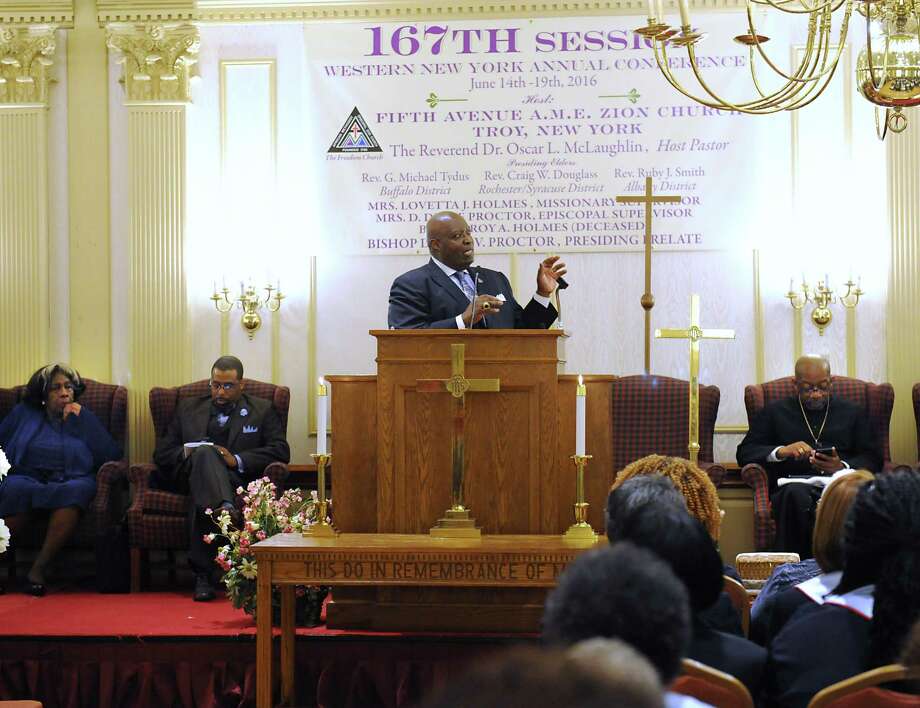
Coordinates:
755	568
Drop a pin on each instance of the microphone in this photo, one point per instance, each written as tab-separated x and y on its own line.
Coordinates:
474	274
561	284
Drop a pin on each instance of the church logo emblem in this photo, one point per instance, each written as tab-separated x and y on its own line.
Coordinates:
355	136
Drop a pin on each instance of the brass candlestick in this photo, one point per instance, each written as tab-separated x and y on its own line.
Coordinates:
322	528
581	530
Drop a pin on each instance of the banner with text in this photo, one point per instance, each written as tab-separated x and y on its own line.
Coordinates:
531	129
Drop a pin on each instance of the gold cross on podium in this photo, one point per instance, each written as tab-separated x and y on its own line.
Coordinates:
695	333
457	522
648	300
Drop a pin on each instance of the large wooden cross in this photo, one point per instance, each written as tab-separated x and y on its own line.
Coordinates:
457	521
694	333
648	300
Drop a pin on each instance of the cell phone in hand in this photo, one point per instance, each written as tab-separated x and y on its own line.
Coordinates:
825	450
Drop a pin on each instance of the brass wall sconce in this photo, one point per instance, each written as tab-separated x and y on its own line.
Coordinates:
823	297
249	302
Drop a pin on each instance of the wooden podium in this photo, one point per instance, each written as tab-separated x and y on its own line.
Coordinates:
392	462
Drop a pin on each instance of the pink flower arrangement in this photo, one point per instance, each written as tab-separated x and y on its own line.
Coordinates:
264	515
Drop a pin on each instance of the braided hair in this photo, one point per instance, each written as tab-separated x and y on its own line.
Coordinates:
882	545
698	490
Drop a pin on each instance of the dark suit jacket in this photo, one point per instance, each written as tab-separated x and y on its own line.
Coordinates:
814	650
781	423
729	653
426	298
256	434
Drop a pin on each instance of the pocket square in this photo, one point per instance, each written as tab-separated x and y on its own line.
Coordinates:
250	429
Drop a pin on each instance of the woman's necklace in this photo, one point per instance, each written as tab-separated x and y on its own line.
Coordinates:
827	409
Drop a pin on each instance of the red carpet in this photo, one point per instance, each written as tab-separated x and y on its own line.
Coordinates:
83	614
76	649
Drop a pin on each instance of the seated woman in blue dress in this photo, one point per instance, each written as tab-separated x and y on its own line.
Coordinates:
55	448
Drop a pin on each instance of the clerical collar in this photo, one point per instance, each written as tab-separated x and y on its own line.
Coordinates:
447	270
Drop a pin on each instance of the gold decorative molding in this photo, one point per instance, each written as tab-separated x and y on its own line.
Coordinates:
760	366
158	60
40	12
25	65
218	11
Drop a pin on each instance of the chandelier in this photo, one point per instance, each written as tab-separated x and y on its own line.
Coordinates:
887	69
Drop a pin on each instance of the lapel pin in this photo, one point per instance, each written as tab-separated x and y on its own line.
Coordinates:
244	412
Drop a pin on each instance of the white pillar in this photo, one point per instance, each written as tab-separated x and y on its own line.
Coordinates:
902	332
158	60
25	60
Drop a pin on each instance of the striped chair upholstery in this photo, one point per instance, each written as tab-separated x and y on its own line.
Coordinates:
156	518
651	417
877	400
109	403
915	394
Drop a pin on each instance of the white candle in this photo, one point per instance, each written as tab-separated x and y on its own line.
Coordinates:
791	286
651	9
684	13
660	11
580	396
321	414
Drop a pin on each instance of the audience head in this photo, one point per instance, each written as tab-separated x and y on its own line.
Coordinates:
813	381
449	239
882	546
53	386
683	543
698	491
226	381
621	662
622	592
526	677
836	500
636	493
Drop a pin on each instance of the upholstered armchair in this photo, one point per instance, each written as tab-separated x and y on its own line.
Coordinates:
157	519
915	394
651	417
110	404
877	400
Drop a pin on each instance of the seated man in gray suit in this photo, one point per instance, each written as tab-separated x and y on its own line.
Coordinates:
242	435
447	292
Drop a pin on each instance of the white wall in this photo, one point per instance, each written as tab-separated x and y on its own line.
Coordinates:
831	227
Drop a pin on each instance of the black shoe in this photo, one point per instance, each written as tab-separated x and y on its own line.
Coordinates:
204	591
36	589
236	518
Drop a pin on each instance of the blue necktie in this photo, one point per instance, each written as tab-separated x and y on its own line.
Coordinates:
466	284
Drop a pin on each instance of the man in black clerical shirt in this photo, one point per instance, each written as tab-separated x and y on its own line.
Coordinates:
785	438
447	292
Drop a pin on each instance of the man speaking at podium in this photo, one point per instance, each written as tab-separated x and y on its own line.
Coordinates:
448	293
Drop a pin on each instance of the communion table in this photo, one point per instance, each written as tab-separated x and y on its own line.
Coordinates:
490	564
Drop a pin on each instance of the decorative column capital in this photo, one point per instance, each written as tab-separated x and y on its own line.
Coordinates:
158	60
25	63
